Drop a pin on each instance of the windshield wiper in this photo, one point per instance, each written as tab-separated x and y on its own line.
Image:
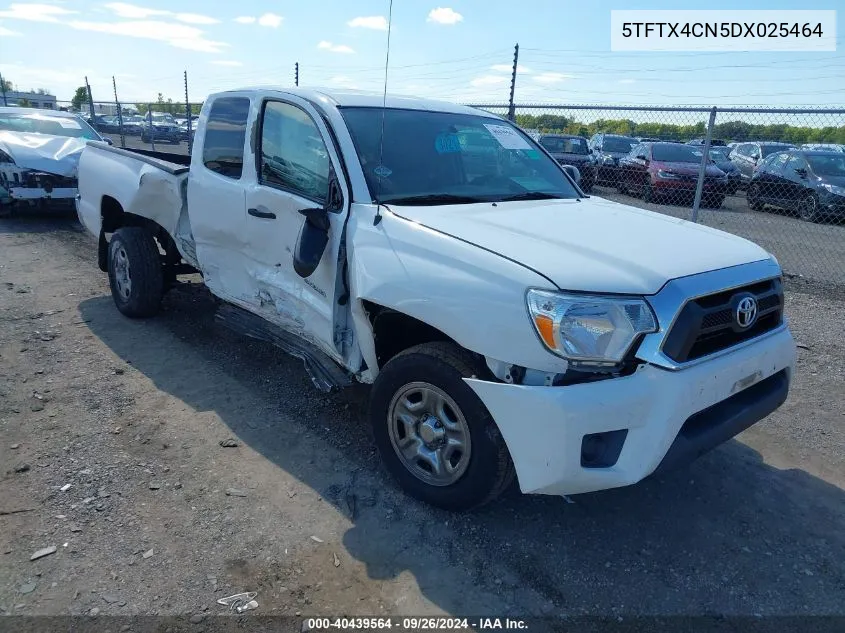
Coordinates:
530	195
434	198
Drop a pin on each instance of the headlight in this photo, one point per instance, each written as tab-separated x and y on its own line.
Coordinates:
608	160
589	329
667	175
839	191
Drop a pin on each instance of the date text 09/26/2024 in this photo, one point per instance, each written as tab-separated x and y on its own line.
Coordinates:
413	624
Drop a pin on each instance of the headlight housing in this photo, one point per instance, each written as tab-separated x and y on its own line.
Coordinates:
839	191
667	175
608	160
589	329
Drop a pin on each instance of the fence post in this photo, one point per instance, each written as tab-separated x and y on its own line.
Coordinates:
188	114
702	169
296	73
152	129
90	103
511	108
119	113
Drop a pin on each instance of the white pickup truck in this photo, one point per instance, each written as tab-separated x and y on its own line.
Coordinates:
509	324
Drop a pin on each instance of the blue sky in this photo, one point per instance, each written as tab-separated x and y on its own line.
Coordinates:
455	49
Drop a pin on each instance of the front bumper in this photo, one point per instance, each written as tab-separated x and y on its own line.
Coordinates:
544	427
40	193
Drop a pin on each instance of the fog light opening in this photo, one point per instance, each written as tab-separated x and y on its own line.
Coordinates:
602	450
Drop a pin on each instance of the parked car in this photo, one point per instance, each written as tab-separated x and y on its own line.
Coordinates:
39	154
746	156
133	125
509	326
719	156
572	150
160	131
824	147
608	149
714	142
646	139
669	172
808	182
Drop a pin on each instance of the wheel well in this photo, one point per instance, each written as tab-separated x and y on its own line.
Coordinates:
394	332
114	217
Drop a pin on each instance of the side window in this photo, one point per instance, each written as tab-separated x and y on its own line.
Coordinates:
779	161
796	162
741	150
225	133
293	154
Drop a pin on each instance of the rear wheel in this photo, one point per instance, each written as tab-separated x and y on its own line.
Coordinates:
135	273
434	434
808	208
647	192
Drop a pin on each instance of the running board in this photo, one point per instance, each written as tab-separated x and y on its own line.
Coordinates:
324	372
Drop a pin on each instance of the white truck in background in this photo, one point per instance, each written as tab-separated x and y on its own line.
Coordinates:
509	324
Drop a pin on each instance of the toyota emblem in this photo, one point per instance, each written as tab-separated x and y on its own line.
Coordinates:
746	312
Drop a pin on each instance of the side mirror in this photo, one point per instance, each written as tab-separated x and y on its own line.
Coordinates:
573	172
314	234
801	172
642	156
108	140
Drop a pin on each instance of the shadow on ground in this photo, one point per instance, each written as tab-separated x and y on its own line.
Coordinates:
729	534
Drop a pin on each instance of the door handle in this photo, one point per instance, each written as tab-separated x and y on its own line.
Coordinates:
262	212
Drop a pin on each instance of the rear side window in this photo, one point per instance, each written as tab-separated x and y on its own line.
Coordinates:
225	133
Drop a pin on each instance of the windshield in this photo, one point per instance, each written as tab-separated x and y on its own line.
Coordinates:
827	165
618	144
73	127
441	157
676	153
563	145
771	149
719	156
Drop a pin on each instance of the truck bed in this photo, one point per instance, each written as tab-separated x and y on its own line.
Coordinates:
142	182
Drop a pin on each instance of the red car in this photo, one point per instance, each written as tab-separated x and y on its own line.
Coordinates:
670	171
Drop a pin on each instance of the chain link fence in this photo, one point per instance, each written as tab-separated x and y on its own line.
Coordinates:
775	176
154	126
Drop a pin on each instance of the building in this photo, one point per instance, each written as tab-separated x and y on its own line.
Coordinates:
36	100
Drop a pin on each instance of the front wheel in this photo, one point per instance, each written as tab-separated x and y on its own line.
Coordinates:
434	434
135	274
754	198
808	208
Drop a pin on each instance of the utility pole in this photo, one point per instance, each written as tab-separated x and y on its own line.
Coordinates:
511	109
296	73
119	113
90	100
3	86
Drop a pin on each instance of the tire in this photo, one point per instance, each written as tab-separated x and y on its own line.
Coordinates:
135	272
647	193
480	472
808	208
753	200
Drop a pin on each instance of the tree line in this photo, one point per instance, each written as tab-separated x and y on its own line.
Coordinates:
729	130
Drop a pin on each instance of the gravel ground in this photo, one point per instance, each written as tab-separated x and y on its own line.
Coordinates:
110	434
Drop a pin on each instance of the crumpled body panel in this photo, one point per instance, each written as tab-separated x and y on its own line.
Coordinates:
43	152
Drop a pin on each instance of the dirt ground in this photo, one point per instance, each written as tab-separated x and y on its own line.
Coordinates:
110	433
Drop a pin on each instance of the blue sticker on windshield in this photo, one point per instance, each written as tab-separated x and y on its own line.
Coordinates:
382	172
447	143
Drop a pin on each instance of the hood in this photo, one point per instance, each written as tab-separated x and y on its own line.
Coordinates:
591	245
689	169
57	155
837	181
726	166
572	158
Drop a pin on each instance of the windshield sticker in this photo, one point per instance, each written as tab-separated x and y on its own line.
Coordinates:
382	172
447	143
69	124
508	137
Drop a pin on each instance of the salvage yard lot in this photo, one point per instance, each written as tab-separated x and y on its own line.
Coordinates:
159	518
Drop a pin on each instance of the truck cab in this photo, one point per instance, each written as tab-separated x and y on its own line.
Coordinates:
510	326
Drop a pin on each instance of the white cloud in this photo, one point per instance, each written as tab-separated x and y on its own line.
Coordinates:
270	19
627	81
488	80
552	78
196	18
35	12
227	62
334	48
246	19
178	35
4	32
444	15
377	22
506	68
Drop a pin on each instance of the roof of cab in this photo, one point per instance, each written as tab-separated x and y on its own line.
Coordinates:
359	98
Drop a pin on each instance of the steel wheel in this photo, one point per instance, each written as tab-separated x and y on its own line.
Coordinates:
122	277
429	433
